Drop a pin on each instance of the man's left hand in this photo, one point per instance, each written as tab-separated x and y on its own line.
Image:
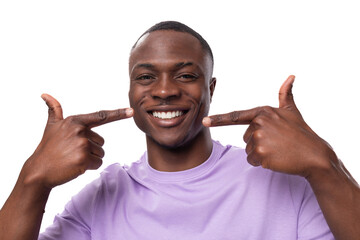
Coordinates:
278	138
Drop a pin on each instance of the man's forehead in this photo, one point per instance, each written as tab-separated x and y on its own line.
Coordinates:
140	41
160	37
164	45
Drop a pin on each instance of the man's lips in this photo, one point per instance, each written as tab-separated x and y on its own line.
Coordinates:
168	116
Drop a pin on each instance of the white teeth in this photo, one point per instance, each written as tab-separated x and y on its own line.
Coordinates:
167	115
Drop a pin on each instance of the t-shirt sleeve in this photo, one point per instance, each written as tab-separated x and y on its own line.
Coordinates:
311	222
75	221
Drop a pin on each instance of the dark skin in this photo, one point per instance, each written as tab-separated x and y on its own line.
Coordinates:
279	139
68	148
171	72
168	73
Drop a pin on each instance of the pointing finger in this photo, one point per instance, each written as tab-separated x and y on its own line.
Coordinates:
55	110
102	117
286	97
233	118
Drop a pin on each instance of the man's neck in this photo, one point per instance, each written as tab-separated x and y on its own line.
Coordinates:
181	158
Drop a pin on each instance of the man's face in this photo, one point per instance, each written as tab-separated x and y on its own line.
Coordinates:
170	87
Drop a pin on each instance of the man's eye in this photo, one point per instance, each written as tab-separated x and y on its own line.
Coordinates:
144	77
187	77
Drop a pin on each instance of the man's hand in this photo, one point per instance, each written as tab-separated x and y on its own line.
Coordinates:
278	138
69	147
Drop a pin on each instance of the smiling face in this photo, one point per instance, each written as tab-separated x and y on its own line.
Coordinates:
170	87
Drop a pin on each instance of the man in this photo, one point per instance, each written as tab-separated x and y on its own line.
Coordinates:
186	186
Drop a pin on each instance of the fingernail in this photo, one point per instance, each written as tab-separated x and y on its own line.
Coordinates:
206	121
129	112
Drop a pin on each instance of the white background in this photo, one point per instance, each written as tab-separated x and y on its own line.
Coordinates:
78	52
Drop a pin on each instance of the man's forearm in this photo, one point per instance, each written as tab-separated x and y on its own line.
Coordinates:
338	195
22	213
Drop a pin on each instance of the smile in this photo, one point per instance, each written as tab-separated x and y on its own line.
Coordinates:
167	115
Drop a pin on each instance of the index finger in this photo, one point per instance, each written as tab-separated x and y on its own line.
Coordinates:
102	117
232	118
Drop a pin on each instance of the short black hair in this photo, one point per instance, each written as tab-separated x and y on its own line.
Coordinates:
179	27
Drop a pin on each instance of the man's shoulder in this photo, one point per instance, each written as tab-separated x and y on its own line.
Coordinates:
228	150
113	176
230	156
235	158
113	168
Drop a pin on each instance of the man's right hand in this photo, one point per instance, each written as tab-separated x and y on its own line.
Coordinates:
69	147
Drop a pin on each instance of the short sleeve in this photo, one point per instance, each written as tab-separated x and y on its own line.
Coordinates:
311	222
75	221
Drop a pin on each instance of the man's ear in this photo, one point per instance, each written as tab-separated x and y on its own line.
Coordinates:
212	87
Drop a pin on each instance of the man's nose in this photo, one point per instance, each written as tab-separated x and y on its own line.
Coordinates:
165	88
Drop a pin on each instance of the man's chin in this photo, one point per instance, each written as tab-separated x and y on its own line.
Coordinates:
169	143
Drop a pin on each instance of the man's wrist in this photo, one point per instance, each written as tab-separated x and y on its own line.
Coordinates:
327	168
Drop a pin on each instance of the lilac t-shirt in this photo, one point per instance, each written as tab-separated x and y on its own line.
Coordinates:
223	198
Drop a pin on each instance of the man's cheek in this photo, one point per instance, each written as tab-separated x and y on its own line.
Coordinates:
139	121
134	96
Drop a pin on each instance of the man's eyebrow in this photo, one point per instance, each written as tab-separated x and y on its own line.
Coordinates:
183	64
144	65
152	67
